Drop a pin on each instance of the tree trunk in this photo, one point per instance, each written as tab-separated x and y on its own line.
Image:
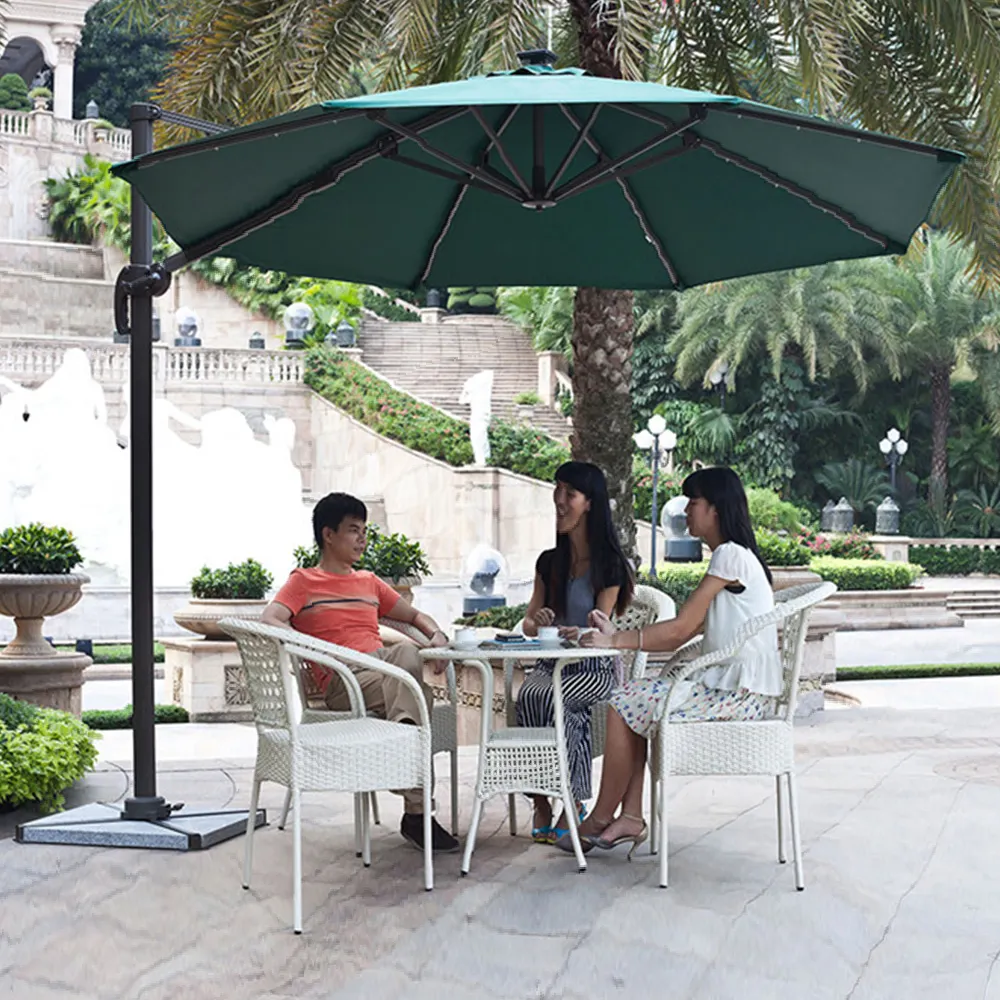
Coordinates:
940	417
602	407
602	332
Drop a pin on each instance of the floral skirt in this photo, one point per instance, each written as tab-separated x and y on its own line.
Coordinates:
641	704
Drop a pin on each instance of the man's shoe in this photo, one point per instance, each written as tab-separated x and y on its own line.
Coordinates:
412	828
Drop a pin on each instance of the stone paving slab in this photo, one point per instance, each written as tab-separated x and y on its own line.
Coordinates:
898	823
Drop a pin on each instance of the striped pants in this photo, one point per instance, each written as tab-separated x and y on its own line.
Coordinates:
583	684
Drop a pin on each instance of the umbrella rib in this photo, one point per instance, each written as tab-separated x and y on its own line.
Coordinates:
450	175
495	142
288	203
440	154
581	135
459	197
797	191
633	204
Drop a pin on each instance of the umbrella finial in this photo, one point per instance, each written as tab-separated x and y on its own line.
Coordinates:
537	57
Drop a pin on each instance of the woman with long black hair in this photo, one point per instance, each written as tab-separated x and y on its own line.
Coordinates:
586	571
736	587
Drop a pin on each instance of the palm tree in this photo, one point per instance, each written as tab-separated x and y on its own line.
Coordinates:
931	74
931	300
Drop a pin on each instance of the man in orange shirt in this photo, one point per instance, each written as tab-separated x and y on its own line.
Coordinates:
335	602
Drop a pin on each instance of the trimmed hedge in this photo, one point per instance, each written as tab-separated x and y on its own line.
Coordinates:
504	618
42	752
116	652
678	581
956	560
908	670
121	718
866	574
778	550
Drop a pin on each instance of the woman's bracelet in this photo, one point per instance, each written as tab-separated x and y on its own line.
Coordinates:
638	648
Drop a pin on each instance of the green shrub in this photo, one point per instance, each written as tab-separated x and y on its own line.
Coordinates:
865	574
668	484
42	752
116	652
503	618
947	560
527	399
779	550
768	510
121	718
14	93
391	557
386	307
989	560
678	580
246	581
853	545
34	548
40	92
526	451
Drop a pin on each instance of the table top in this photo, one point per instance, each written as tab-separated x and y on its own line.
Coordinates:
489	650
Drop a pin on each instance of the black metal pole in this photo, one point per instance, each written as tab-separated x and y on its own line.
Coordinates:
144	804
892	470
656	469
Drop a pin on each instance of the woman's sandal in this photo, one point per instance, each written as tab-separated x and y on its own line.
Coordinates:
636	839
542	834
556	832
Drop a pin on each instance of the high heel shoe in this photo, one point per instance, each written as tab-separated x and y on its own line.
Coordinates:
638	838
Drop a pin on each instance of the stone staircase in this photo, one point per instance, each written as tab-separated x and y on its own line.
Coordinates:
53	290
432	361
975	603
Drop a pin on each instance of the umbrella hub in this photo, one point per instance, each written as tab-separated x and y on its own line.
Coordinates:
537	57
537	204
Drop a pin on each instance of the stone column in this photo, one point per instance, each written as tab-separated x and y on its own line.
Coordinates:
66	38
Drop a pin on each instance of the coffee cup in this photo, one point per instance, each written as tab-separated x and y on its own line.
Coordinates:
466	638
548	635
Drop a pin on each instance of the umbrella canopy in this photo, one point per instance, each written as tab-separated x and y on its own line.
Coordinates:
541	176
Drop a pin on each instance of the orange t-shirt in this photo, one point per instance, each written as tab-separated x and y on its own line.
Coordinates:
342	608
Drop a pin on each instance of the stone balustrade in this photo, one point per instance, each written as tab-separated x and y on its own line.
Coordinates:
71	135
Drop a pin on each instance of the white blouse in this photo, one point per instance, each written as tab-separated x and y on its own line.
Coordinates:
757	665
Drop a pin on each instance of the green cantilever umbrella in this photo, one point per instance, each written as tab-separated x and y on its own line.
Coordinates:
541	176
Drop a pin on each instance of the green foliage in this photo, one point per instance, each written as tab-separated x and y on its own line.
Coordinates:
117	652
973	455
117	63
778	550
525	450
980	510
42	752
864	486
468	299
38	92
306	556
529	398
880	672
245	581
668	484
545	313
678	580
864	574
853	545
14	93
34	548
387	307
956	560
768	510
370	399
393	557
121	718
503	618
653	381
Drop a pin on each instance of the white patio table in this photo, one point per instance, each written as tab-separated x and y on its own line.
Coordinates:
516	759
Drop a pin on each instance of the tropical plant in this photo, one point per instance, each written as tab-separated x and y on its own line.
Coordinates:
653	380
121	718
545	313
980	510
864	486
769	511
393	557
34	548
973	455
245	581
14	93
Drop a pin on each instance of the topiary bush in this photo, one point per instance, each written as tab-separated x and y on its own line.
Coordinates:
42	752
781	550
951	560
865	574
14	93
246	581
34	548
121	718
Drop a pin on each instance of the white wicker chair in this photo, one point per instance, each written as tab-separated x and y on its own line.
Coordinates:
764	747
355	754
444	722
648	605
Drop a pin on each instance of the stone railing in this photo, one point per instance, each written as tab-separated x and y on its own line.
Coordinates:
33	361
73	135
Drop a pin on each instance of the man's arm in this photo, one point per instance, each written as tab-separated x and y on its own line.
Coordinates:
405	612
278	615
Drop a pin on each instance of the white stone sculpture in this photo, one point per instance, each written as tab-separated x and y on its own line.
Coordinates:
478	394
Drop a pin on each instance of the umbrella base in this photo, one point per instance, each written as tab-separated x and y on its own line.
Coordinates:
101	825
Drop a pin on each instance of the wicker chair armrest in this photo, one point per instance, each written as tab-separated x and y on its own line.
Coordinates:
354	693
406	630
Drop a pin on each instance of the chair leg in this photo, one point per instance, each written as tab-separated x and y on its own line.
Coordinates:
454	791
793	809
470	837
375	813
297	860
248	851
285	808
366	832
512	814
780	794
428	837
654	814
663	826
358	836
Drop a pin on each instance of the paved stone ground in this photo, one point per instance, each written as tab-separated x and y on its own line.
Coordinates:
899	816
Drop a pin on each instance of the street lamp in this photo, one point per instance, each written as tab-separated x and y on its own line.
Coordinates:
299	321
717	376
652	438
894	447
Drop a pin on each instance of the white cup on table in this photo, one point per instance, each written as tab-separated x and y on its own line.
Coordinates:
548	636
466	638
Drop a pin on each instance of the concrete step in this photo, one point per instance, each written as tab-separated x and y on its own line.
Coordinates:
60	260
43	305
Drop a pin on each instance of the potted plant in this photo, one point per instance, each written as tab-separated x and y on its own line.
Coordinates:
37	582
40	97
234	592
398	561
102	130
525	403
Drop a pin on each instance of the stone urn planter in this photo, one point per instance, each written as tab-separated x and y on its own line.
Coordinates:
202	615
792	576
404	585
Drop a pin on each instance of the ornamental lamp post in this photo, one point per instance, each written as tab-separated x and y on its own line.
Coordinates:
299	321
717	376
650	439
894	447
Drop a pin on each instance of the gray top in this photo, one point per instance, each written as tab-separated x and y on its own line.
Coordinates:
580	601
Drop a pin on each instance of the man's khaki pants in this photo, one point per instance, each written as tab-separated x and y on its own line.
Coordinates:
388	698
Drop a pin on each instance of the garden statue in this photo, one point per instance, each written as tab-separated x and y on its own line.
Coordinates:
478	394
